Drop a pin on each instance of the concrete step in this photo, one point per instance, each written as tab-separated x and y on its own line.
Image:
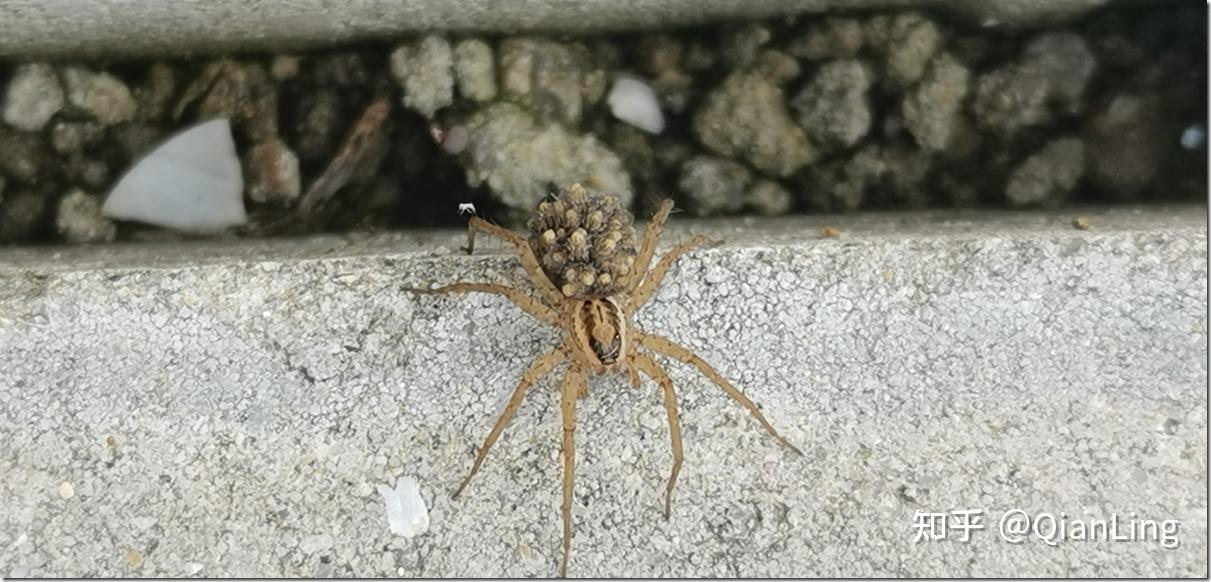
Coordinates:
190	27
229	409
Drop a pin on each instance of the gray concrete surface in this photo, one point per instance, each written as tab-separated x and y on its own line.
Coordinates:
227	409
128	27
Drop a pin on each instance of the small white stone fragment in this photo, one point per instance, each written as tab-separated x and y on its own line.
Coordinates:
192	568
191	183
316	543
66	490
24	537
633	101
406	512
1194	137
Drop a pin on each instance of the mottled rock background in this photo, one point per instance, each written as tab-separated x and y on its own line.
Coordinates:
823	113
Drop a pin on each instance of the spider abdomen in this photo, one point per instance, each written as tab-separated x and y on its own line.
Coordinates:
585	243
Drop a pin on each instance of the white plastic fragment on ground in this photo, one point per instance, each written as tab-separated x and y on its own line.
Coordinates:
192	182
633	101
406	512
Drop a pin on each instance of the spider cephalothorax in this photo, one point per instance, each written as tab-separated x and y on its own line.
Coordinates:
582	260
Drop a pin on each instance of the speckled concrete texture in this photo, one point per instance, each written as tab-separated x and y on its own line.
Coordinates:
228	409
82	27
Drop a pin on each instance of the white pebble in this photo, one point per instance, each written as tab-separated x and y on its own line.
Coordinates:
316	543
456	140
406	512
66	490
633	101
191	183
24	537
1194	137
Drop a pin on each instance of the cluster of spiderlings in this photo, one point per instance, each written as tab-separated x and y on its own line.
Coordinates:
584	242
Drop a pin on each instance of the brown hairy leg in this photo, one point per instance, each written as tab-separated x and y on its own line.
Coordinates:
525	302
650	236
524	252
667	347
655	372
573	384
537	370
652	280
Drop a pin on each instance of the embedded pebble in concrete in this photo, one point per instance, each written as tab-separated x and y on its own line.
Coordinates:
905	42
742	44
518	158
475	70
746	118
1047	80
101	95
32	97
768	198
1127	142
79	219
425	70
25	155
713	185
73	137
554	80
834	38
931	110
155	93
272	173
834	106
1047	176
239	91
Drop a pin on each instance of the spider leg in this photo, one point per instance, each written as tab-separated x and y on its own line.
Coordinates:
573	382
537	370
525	302
655	372
651	281
667	347
524	252
650	235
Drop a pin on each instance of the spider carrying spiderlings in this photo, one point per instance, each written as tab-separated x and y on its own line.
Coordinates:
581	257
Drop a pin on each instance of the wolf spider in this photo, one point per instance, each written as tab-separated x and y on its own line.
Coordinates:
599	337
